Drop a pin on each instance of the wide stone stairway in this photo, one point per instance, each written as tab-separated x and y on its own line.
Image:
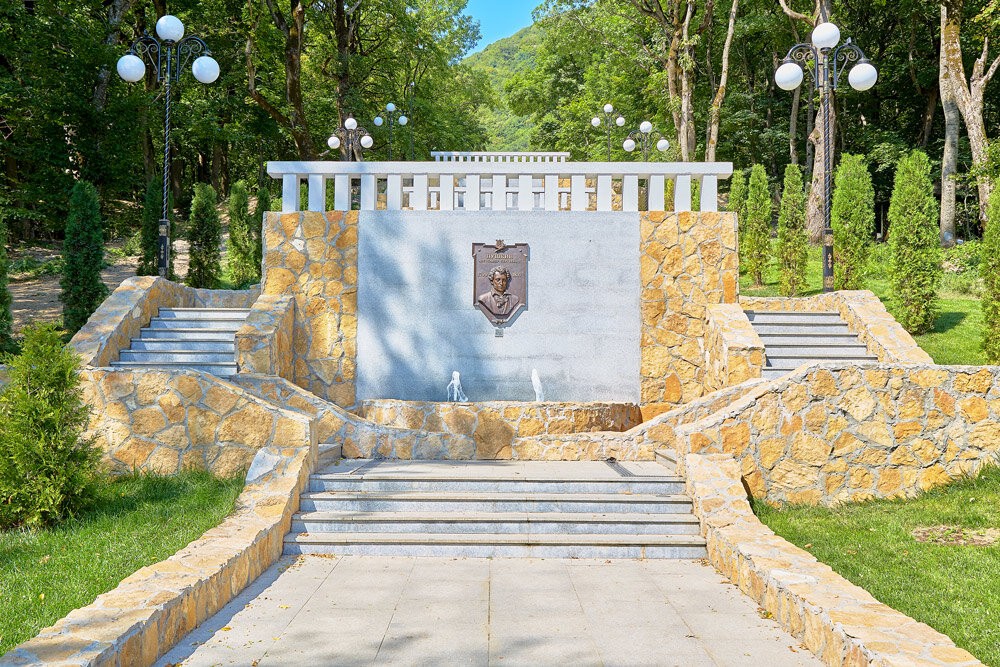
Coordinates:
571	509
793	338
201	339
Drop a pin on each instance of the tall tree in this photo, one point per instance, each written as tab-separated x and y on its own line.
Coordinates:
83	258
853	221
793	246
205	237
950	25
757	230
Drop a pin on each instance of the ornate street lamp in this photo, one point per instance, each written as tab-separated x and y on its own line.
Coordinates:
168	56
412	85
391	114
354	136
825	62
608	112
645	136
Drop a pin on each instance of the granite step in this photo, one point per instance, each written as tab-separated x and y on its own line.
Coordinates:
494	502
817	351
372	483
807	338
217	369
795	328
214	314
154	357
782	317
188	345
200	334
494	523
495	545
232	325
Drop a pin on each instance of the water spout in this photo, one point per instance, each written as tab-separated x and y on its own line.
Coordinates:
455	393
536	384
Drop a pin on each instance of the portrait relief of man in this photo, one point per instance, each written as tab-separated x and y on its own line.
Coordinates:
499	301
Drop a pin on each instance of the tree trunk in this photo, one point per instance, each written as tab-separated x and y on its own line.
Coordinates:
793	127
720	93
815	217
949	159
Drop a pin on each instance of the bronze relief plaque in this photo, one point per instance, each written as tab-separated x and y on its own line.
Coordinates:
500	283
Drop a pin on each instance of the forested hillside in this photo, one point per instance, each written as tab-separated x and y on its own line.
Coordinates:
500	61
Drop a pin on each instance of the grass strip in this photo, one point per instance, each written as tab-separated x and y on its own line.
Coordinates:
953	588
136	520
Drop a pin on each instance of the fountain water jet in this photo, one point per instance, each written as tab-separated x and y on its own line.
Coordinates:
455	393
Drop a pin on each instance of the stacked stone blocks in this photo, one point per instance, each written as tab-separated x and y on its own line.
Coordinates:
734	351
264	342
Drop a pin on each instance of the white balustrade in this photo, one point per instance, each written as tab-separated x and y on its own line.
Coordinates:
497	156
471	185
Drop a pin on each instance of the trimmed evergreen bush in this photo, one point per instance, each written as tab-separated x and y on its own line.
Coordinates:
738	201
83	257
6	320
756	244
47	468
204	235
853	220
241	242
149	232
793	249
914	242
989	270
257	228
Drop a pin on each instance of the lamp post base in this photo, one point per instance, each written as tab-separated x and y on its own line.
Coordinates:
828	260
163	256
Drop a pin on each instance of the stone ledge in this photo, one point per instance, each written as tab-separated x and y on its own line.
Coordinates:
842	624
152	609
734	352
264	342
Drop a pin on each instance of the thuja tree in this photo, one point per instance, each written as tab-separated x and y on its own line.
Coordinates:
83	257
204	235
47	468
149	233
241	242
989	270
792	240
756	243
6	321
263	206
853	222
738	199
914	245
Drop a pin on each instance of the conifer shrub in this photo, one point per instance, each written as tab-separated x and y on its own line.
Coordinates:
738	201
47	469
792	240
257	228
83	258
756	245
989	271
853	220
204	235
914	244
6	319
241	242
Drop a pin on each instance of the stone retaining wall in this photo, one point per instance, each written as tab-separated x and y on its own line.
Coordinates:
842	624
264	343
734	352
166	421
495	425
865	315
130	307
827	434
687	262
154	608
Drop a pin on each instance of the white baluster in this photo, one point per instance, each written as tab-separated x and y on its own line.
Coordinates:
447	192
394	192
499	192
525	193
682	193
630	192
472	192
418	200
368	192
342	192
577	192
551	192
289	193
657	190
709	193
317	192
604	192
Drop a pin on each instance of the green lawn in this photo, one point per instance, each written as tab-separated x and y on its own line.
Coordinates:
136	521
957	330
954	589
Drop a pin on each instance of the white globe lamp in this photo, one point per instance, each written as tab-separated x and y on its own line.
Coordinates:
205	69
403	120
378	121
862	76
351	124
662	145
131	68
595	121
333	142
620	121
788	76
367	141
645	127
169	28
608	108
629	145
390	107
825	36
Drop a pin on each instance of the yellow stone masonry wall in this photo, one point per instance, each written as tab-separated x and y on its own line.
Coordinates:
687	262
313	257
264	343
496	425
842	624
734	352
168	421
828	434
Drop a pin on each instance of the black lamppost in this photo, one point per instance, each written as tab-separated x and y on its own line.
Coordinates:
168	56
412	85
354	136
391	114
608	115
645	136
825	62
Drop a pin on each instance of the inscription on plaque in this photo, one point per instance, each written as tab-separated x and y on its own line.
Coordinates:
500	283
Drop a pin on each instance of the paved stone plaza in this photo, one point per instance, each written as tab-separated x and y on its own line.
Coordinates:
517	611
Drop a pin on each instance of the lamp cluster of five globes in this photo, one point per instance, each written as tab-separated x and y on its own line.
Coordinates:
170	30
825	36
629	144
